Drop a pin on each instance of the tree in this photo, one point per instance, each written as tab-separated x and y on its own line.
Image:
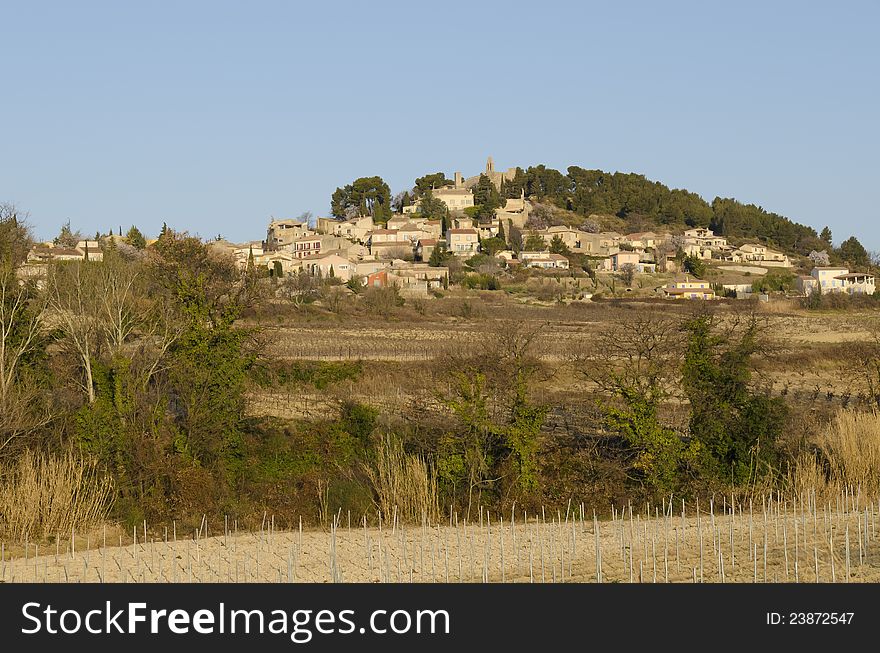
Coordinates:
432	208
67	237
486	197
429	182
693	264
634	365
492	246
369	195
819	259
534	243
852	251
826	235
22	338
628	273
135	238
15	235
439	256
733	426
73	296
558	246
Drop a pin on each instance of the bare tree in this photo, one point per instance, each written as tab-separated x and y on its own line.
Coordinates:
638	357
118	300
72	294
628	273
819	258
22	311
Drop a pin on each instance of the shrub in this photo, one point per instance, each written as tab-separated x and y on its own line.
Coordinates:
403	483
45	495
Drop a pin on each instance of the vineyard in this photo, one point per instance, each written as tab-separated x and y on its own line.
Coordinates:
769	539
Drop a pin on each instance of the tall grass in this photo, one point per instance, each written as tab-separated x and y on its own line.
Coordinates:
404	483
847	455
852	447
42	495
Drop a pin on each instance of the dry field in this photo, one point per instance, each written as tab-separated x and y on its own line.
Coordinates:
805	360
764	541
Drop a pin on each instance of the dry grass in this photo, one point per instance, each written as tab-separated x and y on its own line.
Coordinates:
46	495
852	447
405	485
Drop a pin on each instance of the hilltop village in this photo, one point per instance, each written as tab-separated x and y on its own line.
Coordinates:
471	233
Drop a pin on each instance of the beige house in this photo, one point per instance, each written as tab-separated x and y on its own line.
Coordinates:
243	253
605	243
283	233
44	253
395	222
384	236
619	260
366	268
425	248
515	212
304	246
644	239
837	280
463	242
331	264
752	253
355	229
455	199
571	237
391	249
688	288
412	232
704	237
434	228
547	261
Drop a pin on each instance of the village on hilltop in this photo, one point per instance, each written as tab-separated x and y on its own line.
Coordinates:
416	251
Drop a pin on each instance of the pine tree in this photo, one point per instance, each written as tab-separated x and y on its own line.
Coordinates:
826	235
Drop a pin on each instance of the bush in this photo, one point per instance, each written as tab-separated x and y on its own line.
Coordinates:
404	484
45	495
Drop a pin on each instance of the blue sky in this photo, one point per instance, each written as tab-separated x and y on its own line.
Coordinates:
213	116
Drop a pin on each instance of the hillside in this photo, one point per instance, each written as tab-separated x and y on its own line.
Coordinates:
641	204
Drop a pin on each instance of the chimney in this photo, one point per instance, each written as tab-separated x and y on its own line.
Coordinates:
458	181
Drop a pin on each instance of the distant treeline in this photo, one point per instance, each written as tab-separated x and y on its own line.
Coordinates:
630	195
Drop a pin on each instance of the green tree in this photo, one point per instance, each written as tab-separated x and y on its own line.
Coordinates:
429	182
634	365
15	235
852	251
558	246
486	197
367	195
492	246
135	238
534	243
439	256
733	426
693	264
826	235
67	237
431	207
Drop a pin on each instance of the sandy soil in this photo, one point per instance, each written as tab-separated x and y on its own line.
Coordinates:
764	545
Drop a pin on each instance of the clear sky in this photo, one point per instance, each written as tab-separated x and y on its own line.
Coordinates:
214	116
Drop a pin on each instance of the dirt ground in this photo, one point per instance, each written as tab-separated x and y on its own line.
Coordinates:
800	542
